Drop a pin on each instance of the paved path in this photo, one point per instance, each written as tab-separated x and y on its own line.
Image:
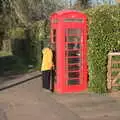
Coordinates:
28	101
90	106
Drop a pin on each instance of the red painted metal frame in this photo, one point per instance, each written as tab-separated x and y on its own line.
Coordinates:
58	24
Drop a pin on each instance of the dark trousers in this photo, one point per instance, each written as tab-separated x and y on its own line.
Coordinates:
52	80
46	79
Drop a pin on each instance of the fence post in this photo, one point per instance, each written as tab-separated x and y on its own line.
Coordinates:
109	81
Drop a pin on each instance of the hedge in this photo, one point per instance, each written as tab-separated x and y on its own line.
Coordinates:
104	36
27	42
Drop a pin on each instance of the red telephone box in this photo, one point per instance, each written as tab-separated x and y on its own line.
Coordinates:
69	34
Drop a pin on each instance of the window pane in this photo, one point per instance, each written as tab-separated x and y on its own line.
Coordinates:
73	74
73	82
73	67
73	39
73	45
74	53
73	20
73	31
73	60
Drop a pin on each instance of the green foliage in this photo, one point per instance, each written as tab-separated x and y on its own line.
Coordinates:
40	29
19	42
33	46
37	34
16	33
26	42
12	64
4	53
34	35
104	36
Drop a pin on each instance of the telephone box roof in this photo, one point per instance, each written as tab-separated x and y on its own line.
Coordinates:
64	12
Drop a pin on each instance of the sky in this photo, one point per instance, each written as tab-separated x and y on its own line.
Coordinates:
102	1
98	1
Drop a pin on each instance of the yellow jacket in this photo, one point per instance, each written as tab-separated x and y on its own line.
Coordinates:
47	62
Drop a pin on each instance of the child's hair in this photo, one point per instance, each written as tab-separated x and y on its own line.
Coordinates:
51	46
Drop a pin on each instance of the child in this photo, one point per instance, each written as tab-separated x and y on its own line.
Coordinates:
47	65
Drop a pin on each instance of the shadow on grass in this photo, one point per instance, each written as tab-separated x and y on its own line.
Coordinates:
11	67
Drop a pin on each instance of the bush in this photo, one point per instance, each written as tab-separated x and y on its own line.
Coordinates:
104	36
18	42
12	64
15	33
27	42
37	36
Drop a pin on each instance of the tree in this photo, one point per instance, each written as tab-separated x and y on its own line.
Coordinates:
81	4
24	13
4	22
27	11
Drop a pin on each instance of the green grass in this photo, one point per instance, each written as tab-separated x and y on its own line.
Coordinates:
5	53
